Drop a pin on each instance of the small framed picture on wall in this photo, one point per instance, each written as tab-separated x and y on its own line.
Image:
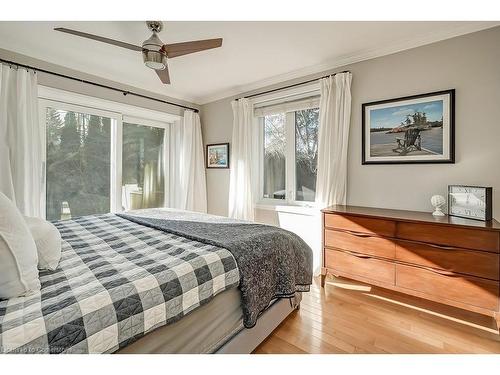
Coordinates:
218	155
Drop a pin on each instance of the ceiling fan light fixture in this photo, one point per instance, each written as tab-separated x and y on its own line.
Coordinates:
154	59
154	52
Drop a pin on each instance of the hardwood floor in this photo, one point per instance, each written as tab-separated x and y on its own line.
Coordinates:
349	317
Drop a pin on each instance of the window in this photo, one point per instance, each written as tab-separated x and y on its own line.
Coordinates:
102	160
306	153
290	155
274	156
78	164
143	181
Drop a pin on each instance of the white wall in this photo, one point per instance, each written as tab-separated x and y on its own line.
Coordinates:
469	63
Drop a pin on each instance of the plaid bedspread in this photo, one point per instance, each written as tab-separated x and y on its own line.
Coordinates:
117	280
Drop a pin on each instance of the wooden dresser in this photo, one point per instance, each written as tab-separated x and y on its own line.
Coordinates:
446	259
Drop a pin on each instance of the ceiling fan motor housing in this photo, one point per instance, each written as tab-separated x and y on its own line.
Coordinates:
152	53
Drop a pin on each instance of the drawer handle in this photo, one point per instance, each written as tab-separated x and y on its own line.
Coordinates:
442	272
443	247
358	255
357	234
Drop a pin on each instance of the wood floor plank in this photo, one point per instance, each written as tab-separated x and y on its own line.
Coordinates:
275	345
350	317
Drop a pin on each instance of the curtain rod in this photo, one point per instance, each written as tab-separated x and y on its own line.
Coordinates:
292	85
124	92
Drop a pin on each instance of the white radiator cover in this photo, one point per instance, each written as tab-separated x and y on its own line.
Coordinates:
303	221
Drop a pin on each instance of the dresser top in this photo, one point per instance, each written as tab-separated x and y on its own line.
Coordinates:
412	216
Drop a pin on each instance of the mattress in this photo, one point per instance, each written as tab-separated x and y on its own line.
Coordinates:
204	330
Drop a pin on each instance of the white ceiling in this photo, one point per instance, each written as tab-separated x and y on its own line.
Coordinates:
253	54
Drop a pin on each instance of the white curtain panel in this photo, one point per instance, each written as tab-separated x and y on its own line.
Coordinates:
243	161
333	139
174	186
21	140
192	188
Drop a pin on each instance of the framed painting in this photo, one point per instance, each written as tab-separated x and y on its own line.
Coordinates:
218	155
410	130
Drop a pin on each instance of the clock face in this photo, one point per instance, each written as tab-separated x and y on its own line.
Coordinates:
468	201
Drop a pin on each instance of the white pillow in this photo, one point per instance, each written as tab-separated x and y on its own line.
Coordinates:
47	240
18	256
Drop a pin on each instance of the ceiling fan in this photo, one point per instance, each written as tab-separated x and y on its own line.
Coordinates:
154	53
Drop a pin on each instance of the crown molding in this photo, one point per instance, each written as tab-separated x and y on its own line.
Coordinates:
359	56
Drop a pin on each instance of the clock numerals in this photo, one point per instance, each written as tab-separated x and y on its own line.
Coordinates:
469	201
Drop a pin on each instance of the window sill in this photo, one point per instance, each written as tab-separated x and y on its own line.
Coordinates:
289	208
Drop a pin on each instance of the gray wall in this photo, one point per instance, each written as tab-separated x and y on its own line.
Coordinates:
91	90
469	63
216	125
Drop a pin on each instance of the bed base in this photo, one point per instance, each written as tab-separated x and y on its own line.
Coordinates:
246	340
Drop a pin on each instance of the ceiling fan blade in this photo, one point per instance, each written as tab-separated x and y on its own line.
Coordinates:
184	48
100	39
164	76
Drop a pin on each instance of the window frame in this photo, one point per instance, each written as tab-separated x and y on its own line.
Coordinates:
290	166
120	113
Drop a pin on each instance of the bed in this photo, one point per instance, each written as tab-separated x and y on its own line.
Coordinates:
160	281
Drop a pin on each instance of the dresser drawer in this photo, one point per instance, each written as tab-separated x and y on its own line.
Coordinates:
360	243
359	265
450	236
467	290
361	224
469	262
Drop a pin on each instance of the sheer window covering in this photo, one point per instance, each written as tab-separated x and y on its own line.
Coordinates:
333	139
21	140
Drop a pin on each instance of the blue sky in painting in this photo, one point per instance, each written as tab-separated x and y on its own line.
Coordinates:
393	116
